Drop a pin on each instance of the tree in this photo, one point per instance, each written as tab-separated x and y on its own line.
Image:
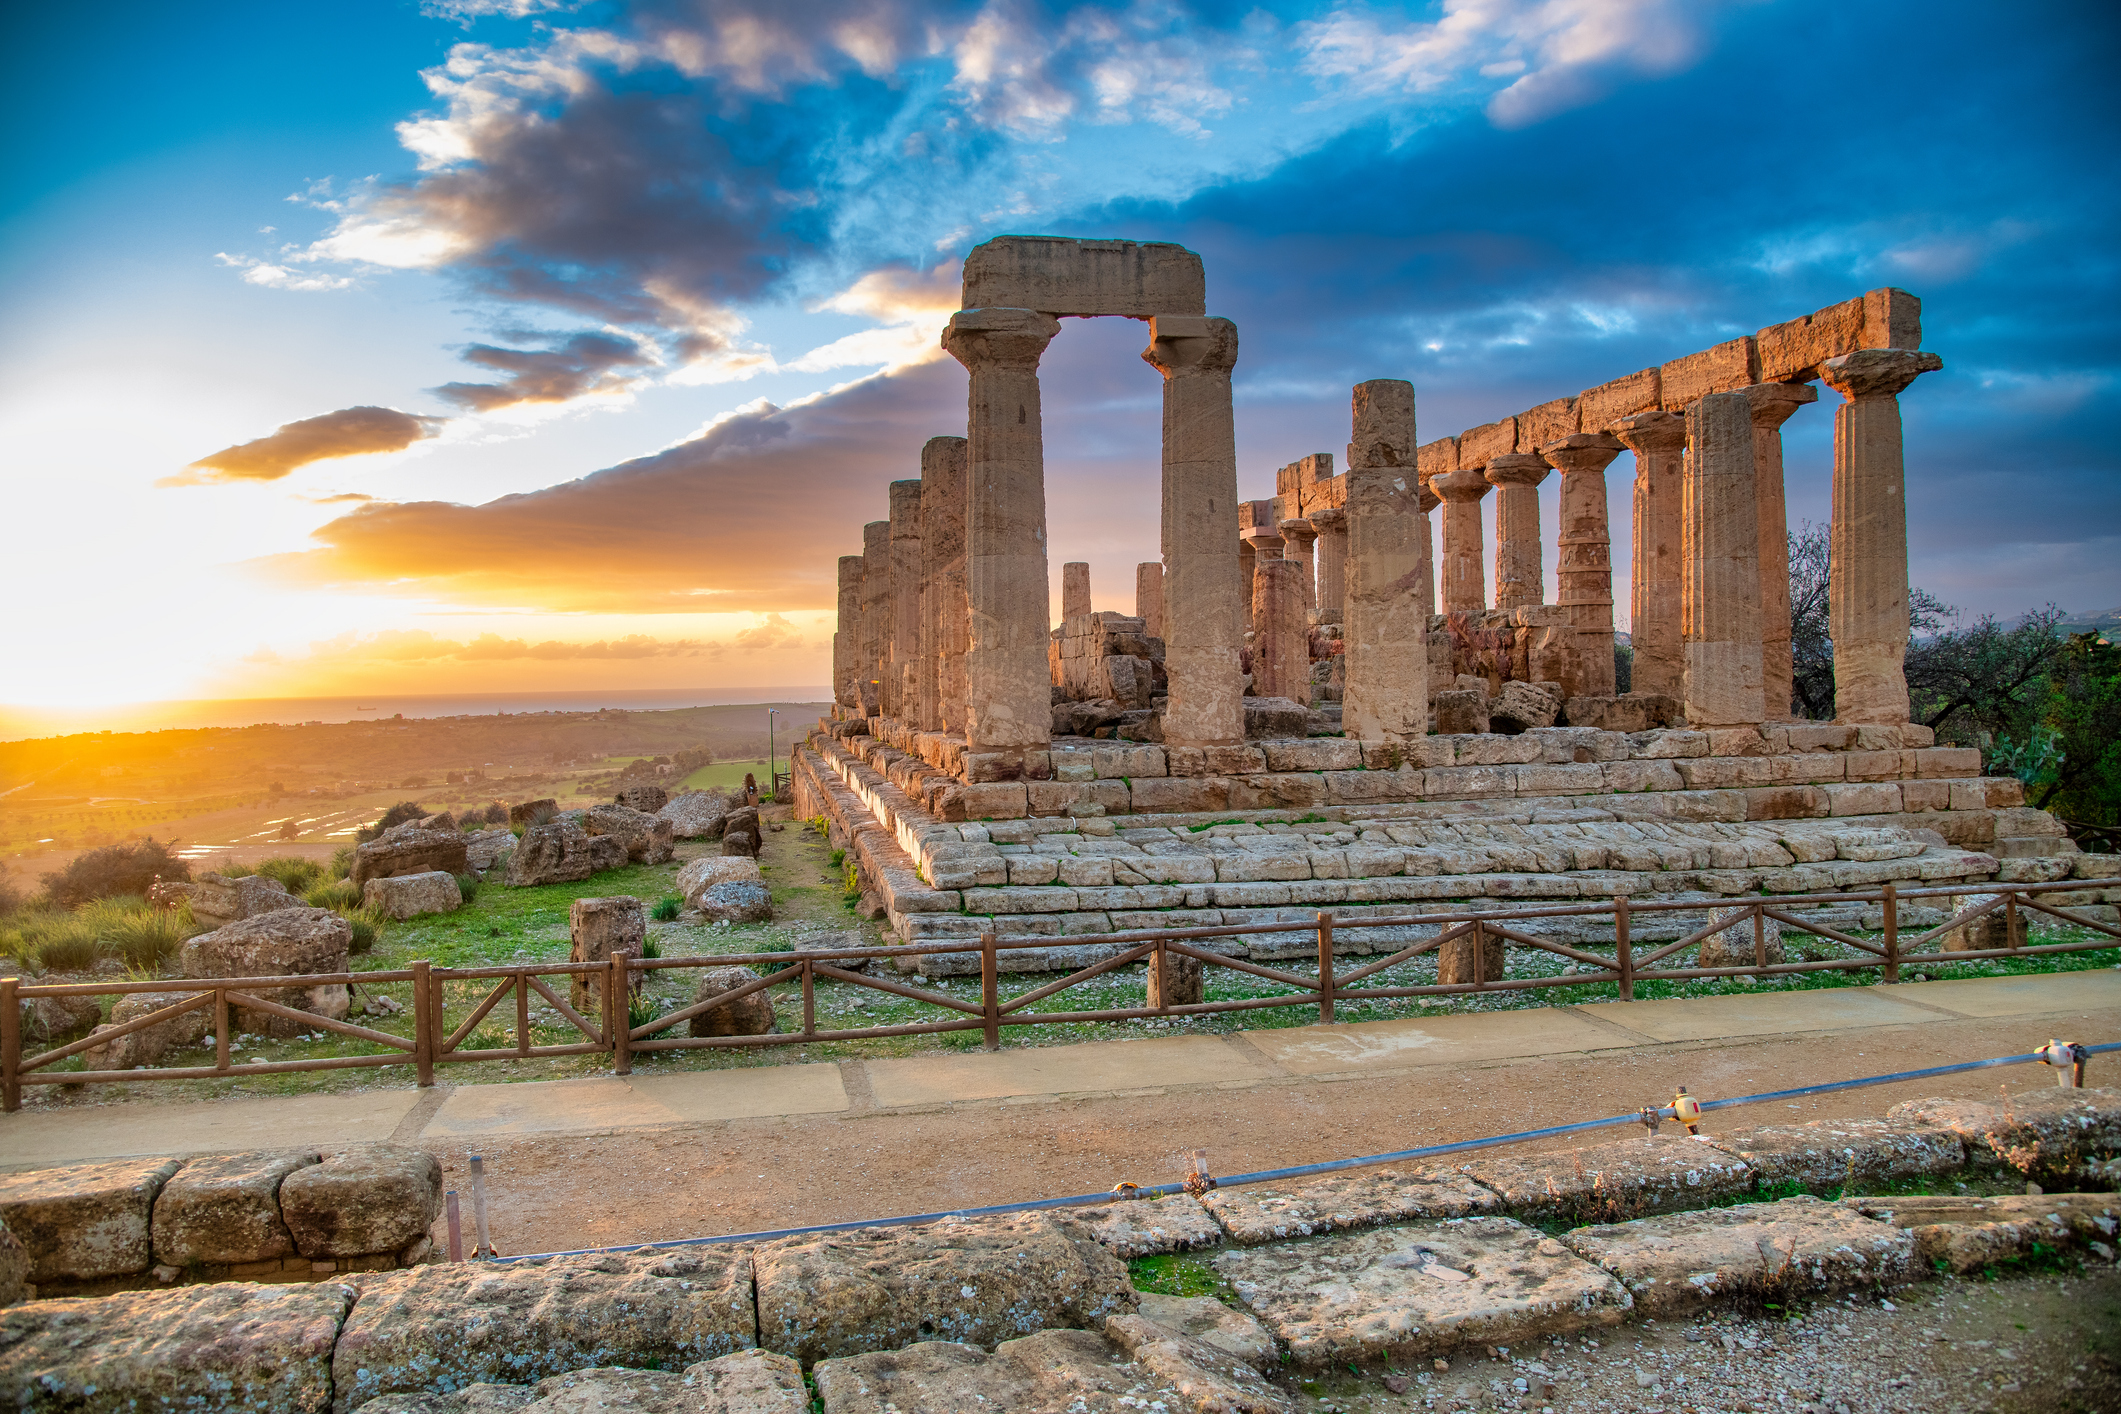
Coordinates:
115	870
2084	711
1987	679
1811	646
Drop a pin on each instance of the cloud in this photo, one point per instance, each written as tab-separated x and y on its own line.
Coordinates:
418	645
349	432
582	364
279	277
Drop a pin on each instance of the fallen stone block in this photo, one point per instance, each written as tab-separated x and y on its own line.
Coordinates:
1684	1262
217	900
1405	1291
405	896
750	1015
288	942
231	1346
695	814
447	1326
483	849
1613	1182
1832	1153
726	889
368	1199
1205	1319
225	1208
150	1043
560	852
1201	1375
748	1382
1965	1234
81	1222
2052	1135
646	836
1149	1227
411	848
1342	1202
981	1280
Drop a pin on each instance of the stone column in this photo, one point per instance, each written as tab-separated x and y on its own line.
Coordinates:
1719	607
1585	572
1075	590
1332	524
904	624
1149	597
1867	604
1009	691
1281	653
943	564
1772	405
1520	573
1203	615
1386	696
1658	440
876	614
1465	588
1247	579
1429	502
1297	538
847	637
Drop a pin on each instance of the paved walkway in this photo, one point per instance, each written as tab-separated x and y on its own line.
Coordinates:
604	1105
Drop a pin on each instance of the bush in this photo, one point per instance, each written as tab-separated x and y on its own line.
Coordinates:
467	887
397	815
367	926
341	866
143	937
115	869
667	908
497	814
297	876
339	895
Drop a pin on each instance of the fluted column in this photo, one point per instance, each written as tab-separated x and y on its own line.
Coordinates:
944	629
1297	539
1867	595
905	613
1009	694
1658	440
1719	607
1332	524
1465	588
1520	573
1281	655
1203	616
876	612
1386	666
1149	597
847	635
1772	405
1585	544
1075	590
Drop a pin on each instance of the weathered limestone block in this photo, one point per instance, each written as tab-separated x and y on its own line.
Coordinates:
286	942
80	1222
445	1326
364	1200
1077	1371
647	799
726	889
598	929
1608	1182
1466	959
1267	717
483	849
562	852
58	1018
1344	1202
1062	276
1147	1227
1735	945
1968	1233
1681	1263
151	1043
646	837
223	1209
1405	1291
746	1016
14	1268
740	832
1180	980
1207	1320
981	1280
1830	1153
747	1382
235	1347
1201	1373
1525	705
695	814
1460	712
2051	1136
403	896
409	849
216	900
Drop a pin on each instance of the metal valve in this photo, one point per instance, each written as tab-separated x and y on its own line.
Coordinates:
2068	1057
1687	1110
1652	1117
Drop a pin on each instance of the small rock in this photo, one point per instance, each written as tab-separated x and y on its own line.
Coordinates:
746	1016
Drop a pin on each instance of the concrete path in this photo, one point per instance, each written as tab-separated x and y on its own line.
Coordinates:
915	1084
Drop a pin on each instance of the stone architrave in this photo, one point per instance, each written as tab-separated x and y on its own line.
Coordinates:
1772	405
1465	588
1331	553
1009	691
1281	656
1075	590
944	634
904	621
1719	607
1585	573
1149	597
1658	440
1867	603
1297	539
847	637
1203	614
1520	575
876	613
1386	696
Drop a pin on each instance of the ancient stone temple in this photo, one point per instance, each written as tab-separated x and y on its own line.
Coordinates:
1331	699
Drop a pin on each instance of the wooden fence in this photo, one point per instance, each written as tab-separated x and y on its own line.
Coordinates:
435	1042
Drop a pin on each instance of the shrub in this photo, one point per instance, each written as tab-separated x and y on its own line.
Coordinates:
341	866
127	928
467	887
339	895
289	830
115	869
294	875
397	815
667	908
496	814
367	926
651	948
234	870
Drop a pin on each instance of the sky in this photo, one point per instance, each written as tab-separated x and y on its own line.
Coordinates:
499	346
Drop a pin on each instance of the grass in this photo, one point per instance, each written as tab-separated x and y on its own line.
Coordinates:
1179	1274
122	929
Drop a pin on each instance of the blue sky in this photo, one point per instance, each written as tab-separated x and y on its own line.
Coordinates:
598	330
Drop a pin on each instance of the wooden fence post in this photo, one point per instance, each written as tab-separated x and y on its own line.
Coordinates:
809	999
1892	932
1325	966
10	1044
1623	950
223	1029
522	1014
423	1030
990	991
616	987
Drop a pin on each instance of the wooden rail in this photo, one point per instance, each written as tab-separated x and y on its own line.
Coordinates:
434	1042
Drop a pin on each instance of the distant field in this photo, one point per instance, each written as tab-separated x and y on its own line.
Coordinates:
723	774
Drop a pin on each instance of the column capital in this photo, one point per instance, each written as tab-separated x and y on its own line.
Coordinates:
1464	484
1188	343
1582	451
1266	542
999	337
1328	518
1876	373
1301	530
1774	402
1647	433
1428	499
1516	469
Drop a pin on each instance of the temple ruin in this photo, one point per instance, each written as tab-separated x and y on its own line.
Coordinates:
1324	700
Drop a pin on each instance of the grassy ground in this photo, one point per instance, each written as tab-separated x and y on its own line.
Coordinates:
724	774
505	926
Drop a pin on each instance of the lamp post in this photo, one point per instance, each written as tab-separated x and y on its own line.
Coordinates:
773	773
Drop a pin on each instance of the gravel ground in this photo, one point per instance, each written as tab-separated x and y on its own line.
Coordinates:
2046	1342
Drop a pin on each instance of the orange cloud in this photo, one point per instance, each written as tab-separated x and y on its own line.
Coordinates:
349	432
